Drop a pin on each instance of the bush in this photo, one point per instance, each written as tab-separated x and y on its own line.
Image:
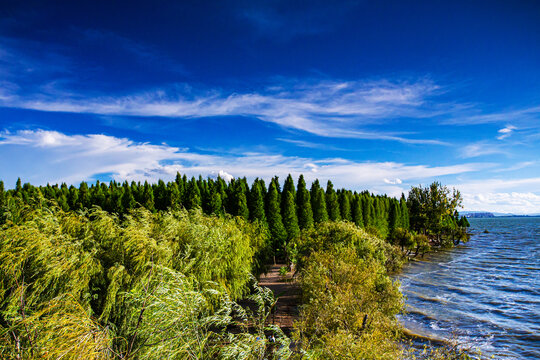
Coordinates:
349	307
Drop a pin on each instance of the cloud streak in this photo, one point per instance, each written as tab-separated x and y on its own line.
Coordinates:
329	109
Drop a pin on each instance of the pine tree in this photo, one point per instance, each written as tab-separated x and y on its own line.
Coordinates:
73	198
148	197
193	199
239	206
256	203
2	194
275	223
332	205
290	220
215	206
303	205
319	206
394	217
18	188
85	200
404	212
128	201
160	195
345	205
357	214
288	186
173	195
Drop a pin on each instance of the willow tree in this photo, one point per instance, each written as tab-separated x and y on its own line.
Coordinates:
431	206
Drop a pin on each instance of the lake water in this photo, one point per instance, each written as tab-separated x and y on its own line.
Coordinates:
485	294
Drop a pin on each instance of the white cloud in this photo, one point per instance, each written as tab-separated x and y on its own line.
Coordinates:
480	149
331	109
529	114
506	132
393	182
42	156
512	202
502	195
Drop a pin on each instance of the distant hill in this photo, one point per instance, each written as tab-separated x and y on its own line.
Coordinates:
479	215
486	214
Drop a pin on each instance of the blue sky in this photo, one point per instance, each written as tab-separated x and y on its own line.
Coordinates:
372	95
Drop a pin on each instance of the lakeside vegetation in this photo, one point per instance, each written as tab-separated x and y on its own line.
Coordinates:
168	270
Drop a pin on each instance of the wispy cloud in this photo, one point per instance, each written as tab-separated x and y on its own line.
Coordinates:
42	156
481	149
528	114
506	132
331	109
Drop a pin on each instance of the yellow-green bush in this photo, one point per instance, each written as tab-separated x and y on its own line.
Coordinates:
349	307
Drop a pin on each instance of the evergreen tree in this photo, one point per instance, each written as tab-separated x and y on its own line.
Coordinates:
332	204
275	223
303	205
193	195
173	195
160	196
319	206
256	203
290	220
2	194
288	186
215	206
18	188
394	217
63	203
128	201
345	205
357	214
148	196
404	212
115	200
181	187
73	198
85	199
239	206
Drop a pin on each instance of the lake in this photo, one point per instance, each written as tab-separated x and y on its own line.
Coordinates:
485	294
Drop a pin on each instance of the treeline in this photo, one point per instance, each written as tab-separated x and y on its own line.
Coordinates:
286	210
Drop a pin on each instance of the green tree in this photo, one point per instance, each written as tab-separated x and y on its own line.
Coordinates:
216	205
148	196
332	204
357	214
2	194
85	199
290	220
193	199
256	203
345	205
128	201
429	206
303	205
275	223
319	206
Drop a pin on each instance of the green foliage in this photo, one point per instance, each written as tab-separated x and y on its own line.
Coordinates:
290	221
275	223
349	307
303	205
332	204
328	236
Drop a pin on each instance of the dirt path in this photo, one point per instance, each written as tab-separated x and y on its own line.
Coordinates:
287	293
